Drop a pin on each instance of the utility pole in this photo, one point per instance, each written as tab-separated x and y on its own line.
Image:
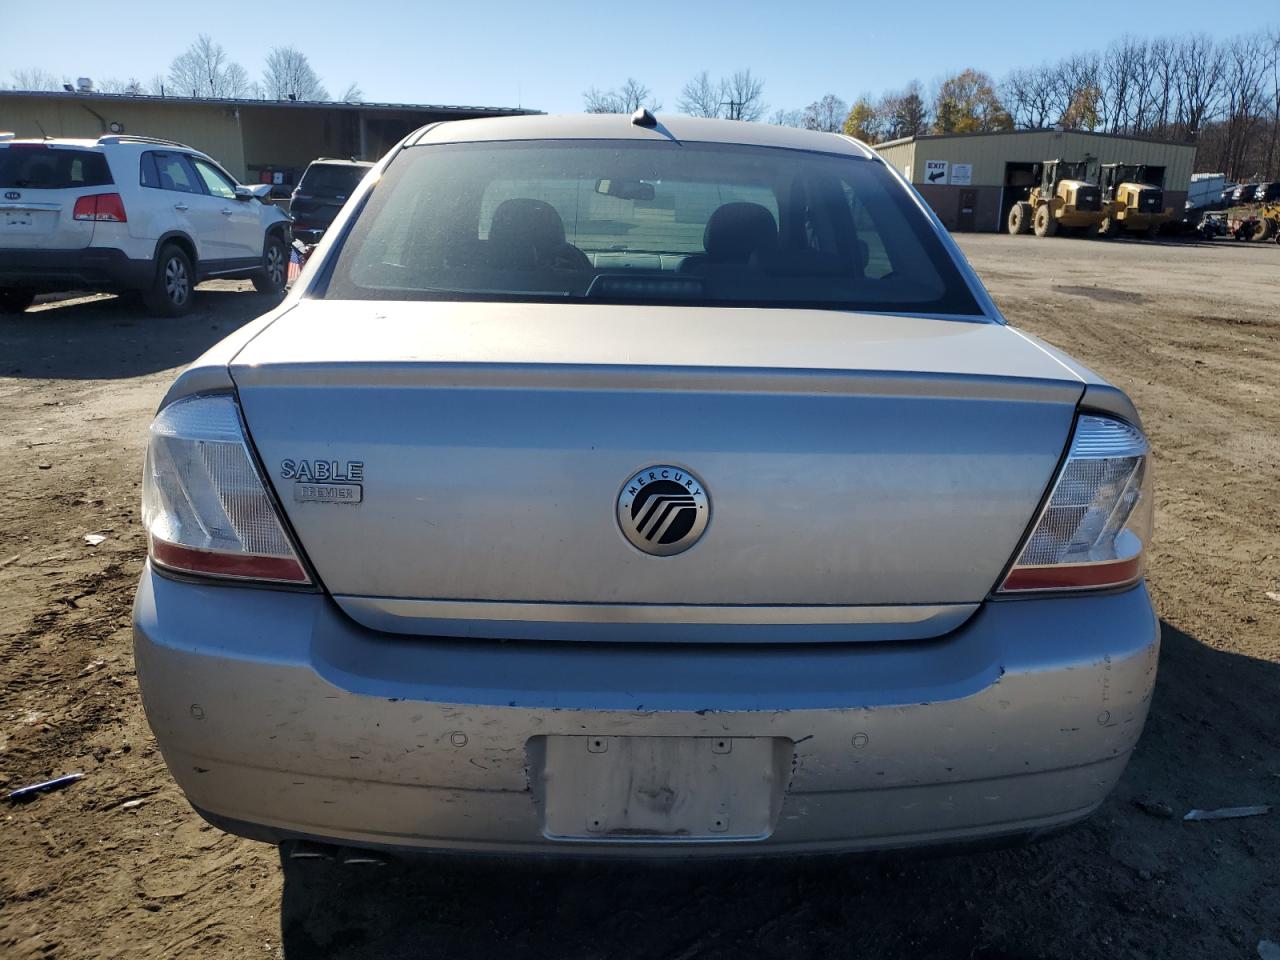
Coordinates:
735	108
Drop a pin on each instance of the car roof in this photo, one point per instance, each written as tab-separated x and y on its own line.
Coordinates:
613	126
114	141
339	162
54	142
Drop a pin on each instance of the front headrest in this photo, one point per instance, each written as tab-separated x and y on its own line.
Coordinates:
737	230
530	224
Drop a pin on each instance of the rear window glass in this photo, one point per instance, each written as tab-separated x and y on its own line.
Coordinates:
51	168
628	221
331	180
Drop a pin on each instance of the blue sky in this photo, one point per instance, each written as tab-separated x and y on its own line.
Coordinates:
545	54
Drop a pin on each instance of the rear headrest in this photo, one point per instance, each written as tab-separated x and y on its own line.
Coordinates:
41	173
737	230
528	225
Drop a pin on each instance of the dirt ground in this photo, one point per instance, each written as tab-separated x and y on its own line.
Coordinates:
117	865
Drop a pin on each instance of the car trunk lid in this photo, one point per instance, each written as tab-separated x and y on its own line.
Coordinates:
866	476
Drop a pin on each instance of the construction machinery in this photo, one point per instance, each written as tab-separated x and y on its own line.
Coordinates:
1131	201
1067	197
1255	222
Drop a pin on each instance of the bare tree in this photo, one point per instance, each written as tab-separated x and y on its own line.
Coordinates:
1273	142
827	114
628	98
738	97
132	86
1164	56
743	96
205	70
1037	97
700	97
1163	87
1201	65
353	94
1116	83
35	79
289	76
787	118
1243	97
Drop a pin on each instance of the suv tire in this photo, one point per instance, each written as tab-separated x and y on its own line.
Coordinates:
172	291
15	301
275	267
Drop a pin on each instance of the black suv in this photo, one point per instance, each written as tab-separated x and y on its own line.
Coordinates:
320	194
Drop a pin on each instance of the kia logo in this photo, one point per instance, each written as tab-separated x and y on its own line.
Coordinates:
13	195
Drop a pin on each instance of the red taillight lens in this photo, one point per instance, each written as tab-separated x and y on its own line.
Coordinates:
216	564
205	508
1093	531
100	206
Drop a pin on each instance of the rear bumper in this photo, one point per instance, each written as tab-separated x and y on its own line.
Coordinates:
279	717
310	224
89	268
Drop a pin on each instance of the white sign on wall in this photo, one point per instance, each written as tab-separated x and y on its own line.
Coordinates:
962	174
935	171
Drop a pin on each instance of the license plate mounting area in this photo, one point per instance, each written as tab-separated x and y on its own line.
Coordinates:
659	789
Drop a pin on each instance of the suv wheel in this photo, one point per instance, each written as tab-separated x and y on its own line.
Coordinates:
171	292
275	267
15	301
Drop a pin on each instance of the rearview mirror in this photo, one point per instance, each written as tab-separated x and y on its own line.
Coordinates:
625	189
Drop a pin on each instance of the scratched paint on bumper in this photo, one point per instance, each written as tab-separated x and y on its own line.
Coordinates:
274	710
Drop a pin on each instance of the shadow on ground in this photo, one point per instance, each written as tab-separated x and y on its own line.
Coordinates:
1125	884
110	338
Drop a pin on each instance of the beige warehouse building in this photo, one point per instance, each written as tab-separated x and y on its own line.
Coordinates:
258	141
971	180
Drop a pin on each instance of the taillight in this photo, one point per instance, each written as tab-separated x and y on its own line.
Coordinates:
1095	527
100	206
204	506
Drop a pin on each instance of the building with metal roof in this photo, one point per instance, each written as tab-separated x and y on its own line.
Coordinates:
971	180
259	141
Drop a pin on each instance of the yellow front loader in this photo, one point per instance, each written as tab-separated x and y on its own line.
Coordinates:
1255	222
1066	199
1131	202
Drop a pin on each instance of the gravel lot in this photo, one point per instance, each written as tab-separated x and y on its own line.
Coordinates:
118	865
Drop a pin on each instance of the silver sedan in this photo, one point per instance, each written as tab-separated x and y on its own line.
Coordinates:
642	487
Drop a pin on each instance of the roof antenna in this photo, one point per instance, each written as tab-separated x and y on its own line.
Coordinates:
643	118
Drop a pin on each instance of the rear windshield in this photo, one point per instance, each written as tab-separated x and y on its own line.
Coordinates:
329	181
38	167
646	222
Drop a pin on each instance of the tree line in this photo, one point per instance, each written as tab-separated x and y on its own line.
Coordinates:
1223	96
206	70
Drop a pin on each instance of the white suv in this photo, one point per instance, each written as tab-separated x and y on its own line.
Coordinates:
124	214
